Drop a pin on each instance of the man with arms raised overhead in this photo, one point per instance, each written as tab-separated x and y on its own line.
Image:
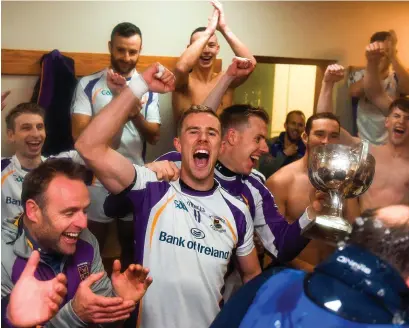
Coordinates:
390	185
195	69
186	230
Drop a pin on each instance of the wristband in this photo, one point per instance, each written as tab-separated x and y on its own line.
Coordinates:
138	86
161	71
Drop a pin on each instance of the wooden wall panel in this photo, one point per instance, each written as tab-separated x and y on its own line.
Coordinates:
27	62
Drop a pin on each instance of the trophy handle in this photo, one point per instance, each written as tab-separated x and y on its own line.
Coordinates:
363	156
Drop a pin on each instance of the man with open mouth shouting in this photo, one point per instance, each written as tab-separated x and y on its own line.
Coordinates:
390	185
26	133
195	69
186	230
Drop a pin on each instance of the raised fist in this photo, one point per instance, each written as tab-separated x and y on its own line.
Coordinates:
375	51
116	82
334	73
159	78
240	67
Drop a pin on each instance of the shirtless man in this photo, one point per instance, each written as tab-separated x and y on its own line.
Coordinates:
195	69
390	185
291	186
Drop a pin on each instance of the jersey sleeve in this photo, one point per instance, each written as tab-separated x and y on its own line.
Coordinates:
143	176
81	103
248	242
281	239
152	112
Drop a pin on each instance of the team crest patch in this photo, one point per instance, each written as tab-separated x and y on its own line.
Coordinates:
83	270
216	224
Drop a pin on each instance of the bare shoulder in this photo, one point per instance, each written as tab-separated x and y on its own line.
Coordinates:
281	179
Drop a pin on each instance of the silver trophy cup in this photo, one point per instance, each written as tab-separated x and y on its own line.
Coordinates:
342	172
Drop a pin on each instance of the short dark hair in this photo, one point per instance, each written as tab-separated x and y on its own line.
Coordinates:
194	109
236	115
402	103
380	36
390	243
37	181
199	29
126	30
23	108
297	112
311	119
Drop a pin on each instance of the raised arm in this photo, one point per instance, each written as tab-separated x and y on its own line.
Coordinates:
114	171
238	47
400	70
372	80
333	74
192	53
240	67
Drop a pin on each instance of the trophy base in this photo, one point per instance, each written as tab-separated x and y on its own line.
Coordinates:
329	229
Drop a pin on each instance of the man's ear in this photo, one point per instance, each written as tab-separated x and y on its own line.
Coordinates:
10	135
176	144
110	47
304	138
387	122
33	211
231	137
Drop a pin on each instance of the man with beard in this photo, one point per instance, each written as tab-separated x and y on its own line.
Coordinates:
195	69
91	95
287	147
187	230
291	186
390	185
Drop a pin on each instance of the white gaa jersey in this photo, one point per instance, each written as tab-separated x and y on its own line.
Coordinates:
371	119
92	94
186	238
12	177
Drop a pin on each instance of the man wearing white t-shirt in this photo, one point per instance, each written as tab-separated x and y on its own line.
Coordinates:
370	117
91	95
188	229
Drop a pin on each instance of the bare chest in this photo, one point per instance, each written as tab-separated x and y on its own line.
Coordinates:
298	197
390	184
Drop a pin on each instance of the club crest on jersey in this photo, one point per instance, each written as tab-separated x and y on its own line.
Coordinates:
83	270
216	224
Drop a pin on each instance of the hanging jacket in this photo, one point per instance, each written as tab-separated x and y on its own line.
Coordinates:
54	91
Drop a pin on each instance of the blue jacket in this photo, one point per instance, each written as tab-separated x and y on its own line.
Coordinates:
353	288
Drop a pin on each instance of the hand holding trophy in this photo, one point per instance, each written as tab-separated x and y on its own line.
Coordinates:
341	172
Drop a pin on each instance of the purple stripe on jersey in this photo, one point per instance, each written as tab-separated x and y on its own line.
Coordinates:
143	201
4	163
258	175
172	156
88	90
288	239
47	80
249	200
240	220
238	189
78	267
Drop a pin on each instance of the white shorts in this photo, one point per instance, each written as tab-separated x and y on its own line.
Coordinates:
96	209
